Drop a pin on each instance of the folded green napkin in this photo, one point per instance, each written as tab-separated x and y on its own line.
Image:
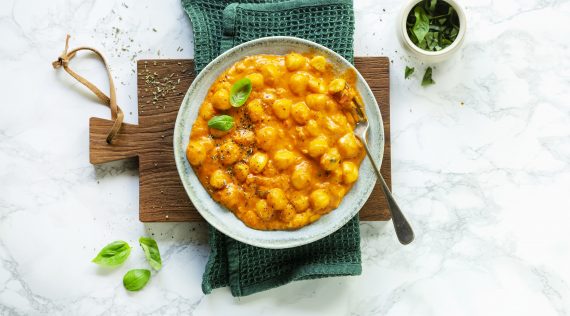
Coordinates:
219	25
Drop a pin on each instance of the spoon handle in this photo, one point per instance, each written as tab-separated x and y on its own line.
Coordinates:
403	228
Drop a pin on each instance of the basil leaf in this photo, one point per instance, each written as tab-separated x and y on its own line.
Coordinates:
421	27
221	122
113	254
437	28
427	80
136	279
409	71
445	42
430	5
240	92
151	252
432	40
453	33
423	45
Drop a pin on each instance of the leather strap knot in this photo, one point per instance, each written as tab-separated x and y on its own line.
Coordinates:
111	100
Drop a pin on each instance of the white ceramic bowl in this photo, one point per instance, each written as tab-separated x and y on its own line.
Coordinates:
223	219
429	56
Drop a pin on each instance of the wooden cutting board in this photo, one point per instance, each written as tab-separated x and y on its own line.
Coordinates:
162	85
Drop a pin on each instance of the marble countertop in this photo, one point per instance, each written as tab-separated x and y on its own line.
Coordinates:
481	165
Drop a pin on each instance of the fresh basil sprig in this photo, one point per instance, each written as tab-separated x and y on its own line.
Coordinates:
427	80
409	71
151	252
240	92
113	254
221	122
433	25
136	279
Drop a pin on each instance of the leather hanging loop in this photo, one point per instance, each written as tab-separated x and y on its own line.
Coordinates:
110	101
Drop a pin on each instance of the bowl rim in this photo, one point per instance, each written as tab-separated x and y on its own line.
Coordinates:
179	158
449	49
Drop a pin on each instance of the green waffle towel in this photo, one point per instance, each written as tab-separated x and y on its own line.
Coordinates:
219	25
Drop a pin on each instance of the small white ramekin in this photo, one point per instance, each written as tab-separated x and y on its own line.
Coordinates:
429	56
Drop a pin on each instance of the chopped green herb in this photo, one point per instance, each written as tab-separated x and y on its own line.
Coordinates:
409	71
240	92
427	80
113	254
136	279
221	122
432	25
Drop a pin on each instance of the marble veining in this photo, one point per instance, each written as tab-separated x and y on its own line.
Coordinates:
481	165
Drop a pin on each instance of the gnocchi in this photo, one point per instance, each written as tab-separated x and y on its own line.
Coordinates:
241	171
290	155
218	179
276	199
257	162
301	177
300	202
295	61
320	199
300	112
263	210
270	73
256	80
349	145
196	153
319	63
283	158
221	100
266	137
282	108
316	101
255	110
349	172
298	83
330	160
229	153
318	146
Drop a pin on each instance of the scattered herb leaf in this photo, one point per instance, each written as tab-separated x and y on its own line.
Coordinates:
427	80
409	71
221	122
151	252
136	279
240	92
113	254
432	25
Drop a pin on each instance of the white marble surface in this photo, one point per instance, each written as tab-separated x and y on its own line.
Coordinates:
481	163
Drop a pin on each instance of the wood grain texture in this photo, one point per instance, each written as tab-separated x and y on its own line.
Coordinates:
161	88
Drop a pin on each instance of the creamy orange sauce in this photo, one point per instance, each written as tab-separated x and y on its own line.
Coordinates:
291	156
